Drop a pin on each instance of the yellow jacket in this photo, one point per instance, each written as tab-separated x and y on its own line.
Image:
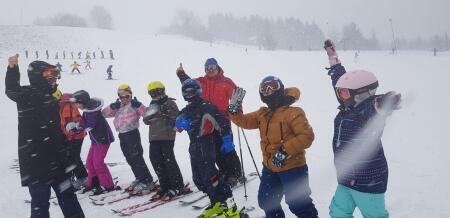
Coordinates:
287	126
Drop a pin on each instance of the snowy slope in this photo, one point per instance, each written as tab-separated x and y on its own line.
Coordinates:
414	138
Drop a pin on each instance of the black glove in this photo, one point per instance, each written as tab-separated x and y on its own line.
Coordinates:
279	157
115	105
389	101
135	103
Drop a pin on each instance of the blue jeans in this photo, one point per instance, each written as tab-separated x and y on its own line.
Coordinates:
294	185
345	200
68	202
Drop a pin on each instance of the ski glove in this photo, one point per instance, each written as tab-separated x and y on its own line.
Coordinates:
236	100
72	126
135	103
182	123
279	157
115	105
227	145
331	52
388	102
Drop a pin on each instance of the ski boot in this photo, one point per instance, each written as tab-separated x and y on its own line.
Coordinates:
132	185
159	194
213	210
143	188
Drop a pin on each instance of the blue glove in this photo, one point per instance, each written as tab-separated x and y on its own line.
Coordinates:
182	123
227	145
279	157
135	103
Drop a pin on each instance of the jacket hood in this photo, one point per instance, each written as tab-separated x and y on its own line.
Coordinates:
293	93
94	104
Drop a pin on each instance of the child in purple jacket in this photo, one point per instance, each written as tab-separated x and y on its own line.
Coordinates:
101	137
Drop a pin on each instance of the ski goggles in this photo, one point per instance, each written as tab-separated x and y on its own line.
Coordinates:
51	73
269	87
124	96
343	93
211	68
156	92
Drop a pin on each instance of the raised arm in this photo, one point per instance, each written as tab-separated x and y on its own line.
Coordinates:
182	74
12	81
336	70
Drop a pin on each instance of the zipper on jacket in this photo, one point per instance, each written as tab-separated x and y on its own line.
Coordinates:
338	143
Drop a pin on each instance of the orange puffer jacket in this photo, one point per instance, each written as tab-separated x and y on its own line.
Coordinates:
287	126
69	113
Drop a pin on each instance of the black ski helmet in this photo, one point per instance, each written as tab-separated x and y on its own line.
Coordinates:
35	73
271	91
190	89
81	97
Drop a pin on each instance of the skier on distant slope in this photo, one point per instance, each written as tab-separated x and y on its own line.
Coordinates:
126	112
200	119
109	71
217	89
359	159
160	116
42	145
285	135
75	66
99	176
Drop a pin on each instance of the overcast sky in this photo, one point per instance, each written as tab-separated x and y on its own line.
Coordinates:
410	17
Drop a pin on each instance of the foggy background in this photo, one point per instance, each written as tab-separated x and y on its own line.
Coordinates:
417	24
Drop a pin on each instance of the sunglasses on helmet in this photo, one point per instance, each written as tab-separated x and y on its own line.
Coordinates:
269	87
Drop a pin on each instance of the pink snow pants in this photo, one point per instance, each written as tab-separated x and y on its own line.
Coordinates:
96	166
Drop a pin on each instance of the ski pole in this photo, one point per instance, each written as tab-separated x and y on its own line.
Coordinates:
242	164
251	154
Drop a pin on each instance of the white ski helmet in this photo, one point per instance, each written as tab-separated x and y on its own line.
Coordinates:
355	86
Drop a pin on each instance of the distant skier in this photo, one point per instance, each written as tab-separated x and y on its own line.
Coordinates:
42	157
26	54
93	55
59	67
79	55
75	66
64	55
56	55
37	54
71	54
361	166
102	54
109	71
88	65
88	55
111	55
47	54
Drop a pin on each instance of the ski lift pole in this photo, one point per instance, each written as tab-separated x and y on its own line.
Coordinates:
251	154
242	165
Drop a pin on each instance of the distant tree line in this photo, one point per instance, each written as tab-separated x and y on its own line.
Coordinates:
286	34
99	17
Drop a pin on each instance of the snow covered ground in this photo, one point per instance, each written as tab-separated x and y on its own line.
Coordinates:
414	138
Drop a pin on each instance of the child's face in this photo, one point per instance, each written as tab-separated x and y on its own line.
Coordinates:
80	106
125	99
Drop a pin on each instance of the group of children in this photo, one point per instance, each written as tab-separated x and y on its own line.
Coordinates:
284	130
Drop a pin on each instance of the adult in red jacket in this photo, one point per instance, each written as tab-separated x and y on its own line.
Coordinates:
218	89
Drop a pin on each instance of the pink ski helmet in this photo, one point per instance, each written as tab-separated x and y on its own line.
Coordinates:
354	83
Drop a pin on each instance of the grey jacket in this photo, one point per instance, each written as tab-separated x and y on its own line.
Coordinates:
160	116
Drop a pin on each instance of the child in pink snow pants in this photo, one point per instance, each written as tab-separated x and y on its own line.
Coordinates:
101	137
